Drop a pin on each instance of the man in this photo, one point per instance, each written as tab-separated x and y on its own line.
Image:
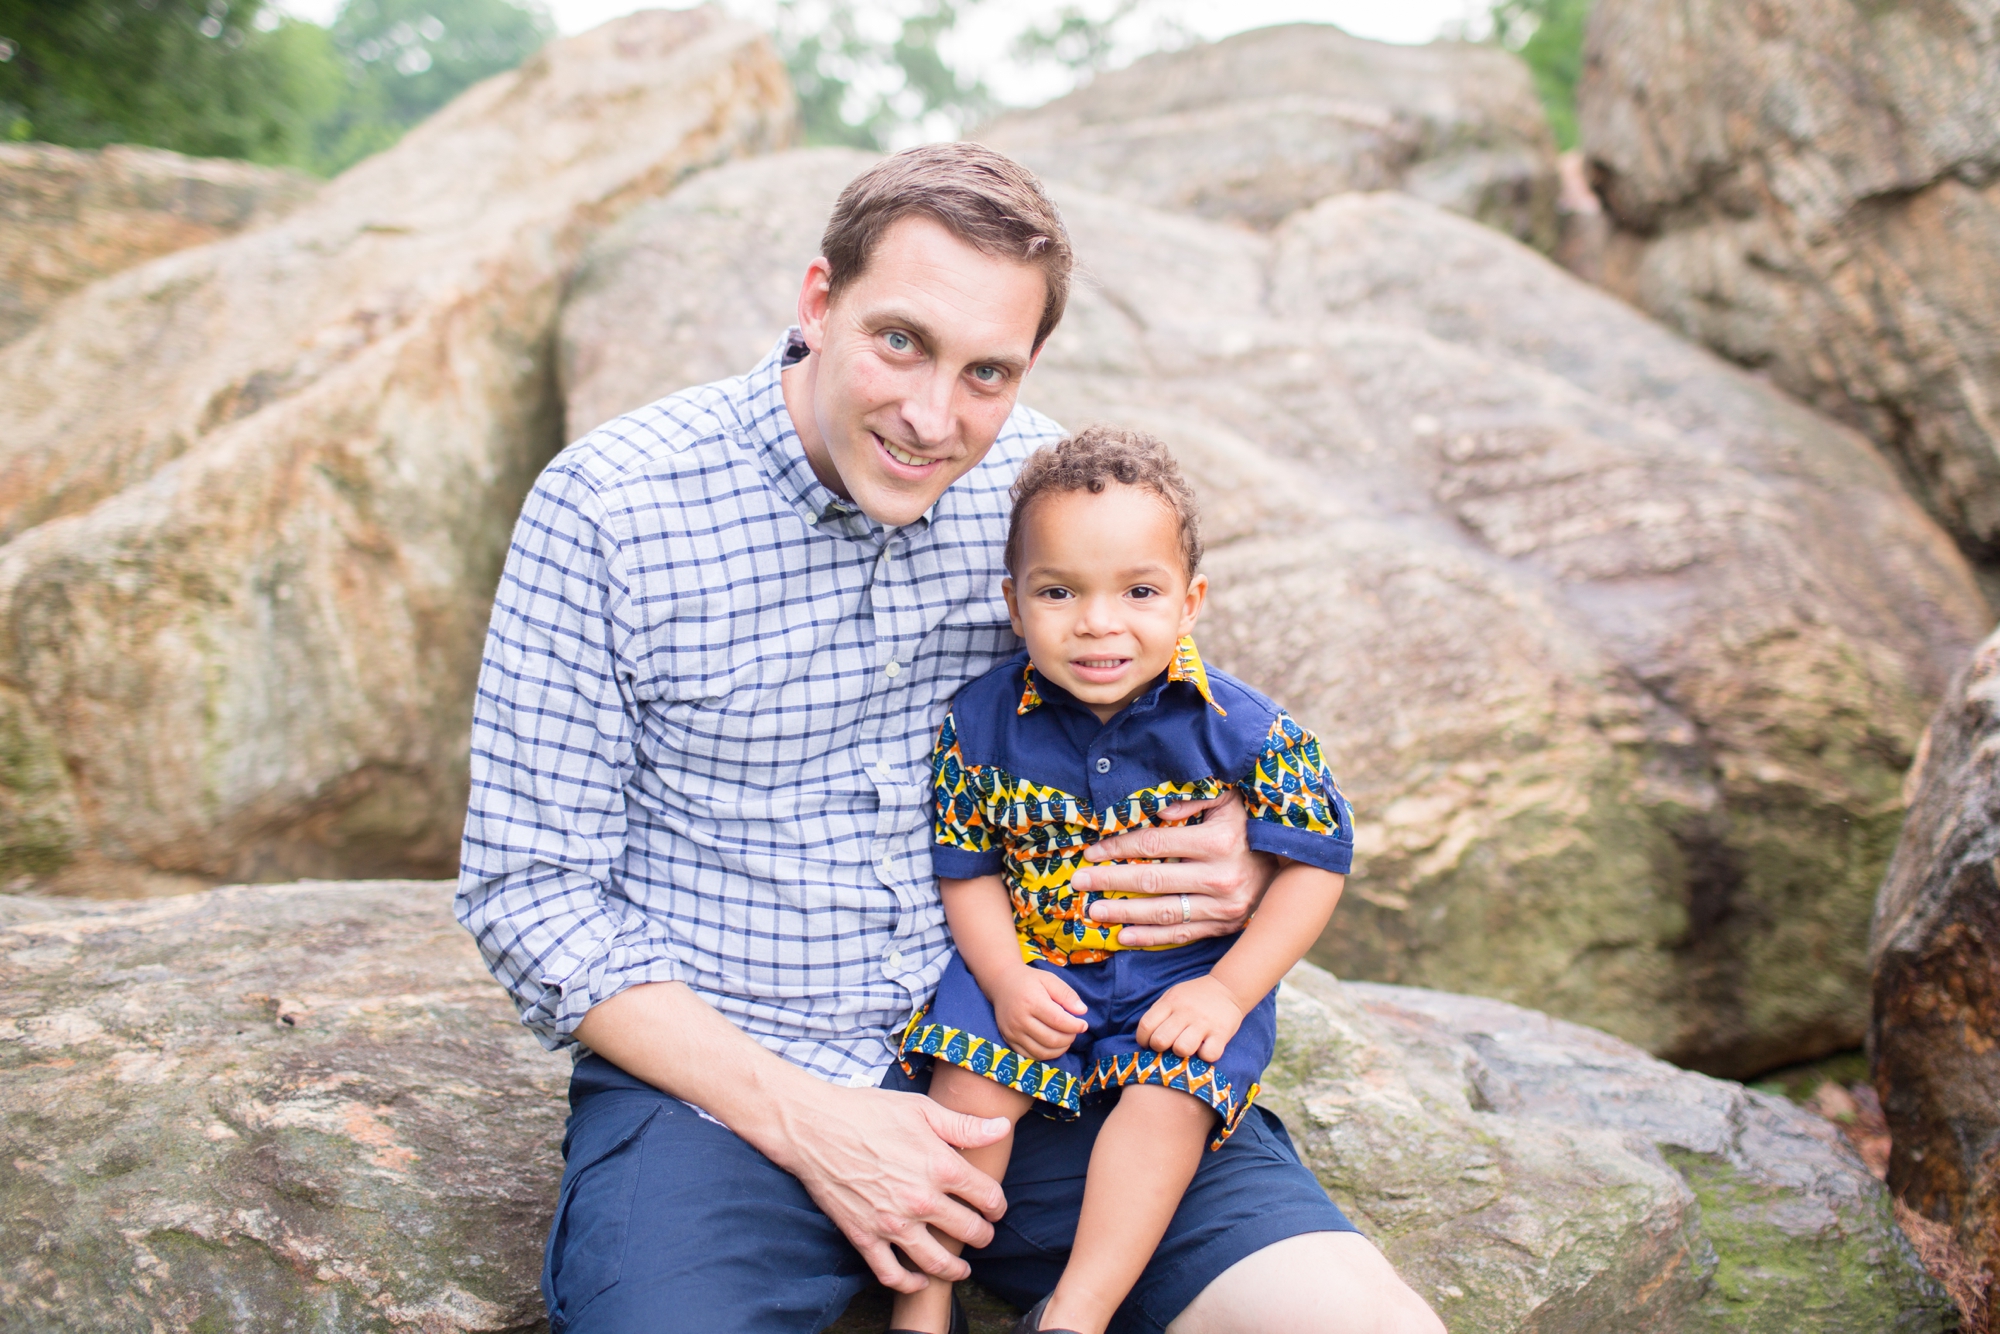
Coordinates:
698	846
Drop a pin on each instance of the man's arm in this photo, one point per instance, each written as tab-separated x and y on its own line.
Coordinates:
1215	867
553	746
881	1165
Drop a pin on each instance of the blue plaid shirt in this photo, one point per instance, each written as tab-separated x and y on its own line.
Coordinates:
701	741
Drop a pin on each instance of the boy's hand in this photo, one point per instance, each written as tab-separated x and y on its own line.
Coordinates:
1196	1018
1039	1013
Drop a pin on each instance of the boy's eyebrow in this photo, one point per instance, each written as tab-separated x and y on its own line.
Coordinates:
1129	572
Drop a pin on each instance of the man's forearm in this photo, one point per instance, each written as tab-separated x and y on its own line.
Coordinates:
663	1033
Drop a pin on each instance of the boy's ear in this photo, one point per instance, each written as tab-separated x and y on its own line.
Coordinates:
1013	607
1197	593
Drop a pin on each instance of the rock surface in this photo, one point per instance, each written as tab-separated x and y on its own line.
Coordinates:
1934	1043
254	497
307	1107
1813	189
296	1107
70	217
1260	125
1620	653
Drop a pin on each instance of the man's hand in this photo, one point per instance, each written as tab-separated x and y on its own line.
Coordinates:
882	1166
1038	1012
1213	866
1196	1018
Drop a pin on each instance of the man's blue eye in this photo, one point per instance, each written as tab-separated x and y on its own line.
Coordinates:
898	342
988	374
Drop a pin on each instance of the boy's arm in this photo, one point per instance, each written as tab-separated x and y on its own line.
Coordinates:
1038	1012
1296	909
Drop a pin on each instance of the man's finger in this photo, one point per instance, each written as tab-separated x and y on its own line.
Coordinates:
889	1271
964	1182
923	1250
963	1131
1120	846
1143	937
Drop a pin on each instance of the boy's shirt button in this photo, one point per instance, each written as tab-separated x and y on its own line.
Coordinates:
1104	764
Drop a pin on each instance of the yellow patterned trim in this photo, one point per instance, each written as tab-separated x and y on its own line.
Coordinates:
1189	1074
1187	666
1031	698
984	1057
1291	784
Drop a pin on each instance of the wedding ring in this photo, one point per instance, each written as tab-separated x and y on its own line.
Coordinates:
1187	910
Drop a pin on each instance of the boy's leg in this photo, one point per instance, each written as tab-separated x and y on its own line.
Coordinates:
962	1091
668	1222
1139	1169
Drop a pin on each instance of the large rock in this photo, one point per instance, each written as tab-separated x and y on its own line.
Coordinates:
1935	1039
1260	125
254	497
1620	652
301	1107
69	217
1809	187
307	1107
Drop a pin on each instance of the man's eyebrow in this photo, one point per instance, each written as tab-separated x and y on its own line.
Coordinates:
891	318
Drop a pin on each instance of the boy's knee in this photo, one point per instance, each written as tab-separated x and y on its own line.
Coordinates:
976	1095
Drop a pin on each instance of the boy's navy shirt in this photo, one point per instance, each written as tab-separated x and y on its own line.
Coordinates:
1026	777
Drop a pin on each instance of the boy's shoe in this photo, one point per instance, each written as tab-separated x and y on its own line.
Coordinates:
959	1324
1031	1323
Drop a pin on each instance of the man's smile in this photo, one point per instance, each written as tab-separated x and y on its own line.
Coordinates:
907	461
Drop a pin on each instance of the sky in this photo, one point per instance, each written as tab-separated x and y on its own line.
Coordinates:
978	48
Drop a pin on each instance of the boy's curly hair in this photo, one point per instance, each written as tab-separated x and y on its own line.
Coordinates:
1095	457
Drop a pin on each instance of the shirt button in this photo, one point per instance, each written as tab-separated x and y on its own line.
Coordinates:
892	671
895	960
1104	764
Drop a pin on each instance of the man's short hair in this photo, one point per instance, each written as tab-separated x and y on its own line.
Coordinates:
986	199
1091	460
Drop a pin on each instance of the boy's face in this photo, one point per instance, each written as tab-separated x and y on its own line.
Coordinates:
1103	595
915	367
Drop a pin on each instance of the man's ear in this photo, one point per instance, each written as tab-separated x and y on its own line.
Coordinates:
815	301
1013	607
1197	593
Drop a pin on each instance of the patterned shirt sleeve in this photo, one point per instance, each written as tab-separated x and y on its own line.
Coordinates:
963	846
1296	810
552	747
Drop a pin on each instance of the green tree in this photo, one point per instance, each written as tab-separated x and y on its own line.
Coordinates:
215	78
406	58
863	88
1548	34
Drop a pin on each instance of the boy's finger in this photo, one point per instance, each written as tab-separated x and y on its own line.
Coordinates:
1212	1048
1064	994
1059	1020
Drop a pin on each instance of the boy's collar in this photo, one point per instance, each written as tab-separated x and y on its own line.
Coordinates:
1186	666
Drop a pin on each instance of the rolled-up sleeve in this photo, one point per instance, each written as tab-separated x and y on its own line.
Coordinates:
552	749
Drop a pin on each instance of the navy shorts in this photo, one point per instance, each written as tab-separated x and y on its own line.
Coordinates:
959	1027
667	1222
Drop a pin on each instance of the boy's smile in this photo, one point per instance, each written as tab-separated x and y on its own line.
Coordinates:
1103	594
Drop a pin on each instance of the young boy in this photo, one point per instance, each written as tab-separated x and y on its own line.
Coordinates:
1105	720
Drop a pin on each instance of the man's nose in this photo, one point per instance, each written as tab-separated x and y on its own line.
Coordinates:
928	409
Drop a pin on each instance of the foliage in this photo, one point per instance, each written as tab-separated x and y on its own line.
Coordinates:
867	73
406	58
1548	34
217	78
875	73
234	78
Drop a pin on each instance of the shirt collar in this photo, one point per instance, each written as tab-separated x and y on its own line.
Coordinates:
784	454
1186	667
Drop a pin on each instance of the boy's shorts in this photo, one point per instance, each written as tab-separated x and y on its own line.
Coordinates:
959	1028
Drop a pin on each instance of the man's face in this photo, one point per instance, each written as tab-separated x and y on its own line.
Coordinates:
915	367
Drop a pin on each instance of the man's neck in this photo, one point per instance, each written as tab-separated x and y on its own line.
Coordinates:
796	381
